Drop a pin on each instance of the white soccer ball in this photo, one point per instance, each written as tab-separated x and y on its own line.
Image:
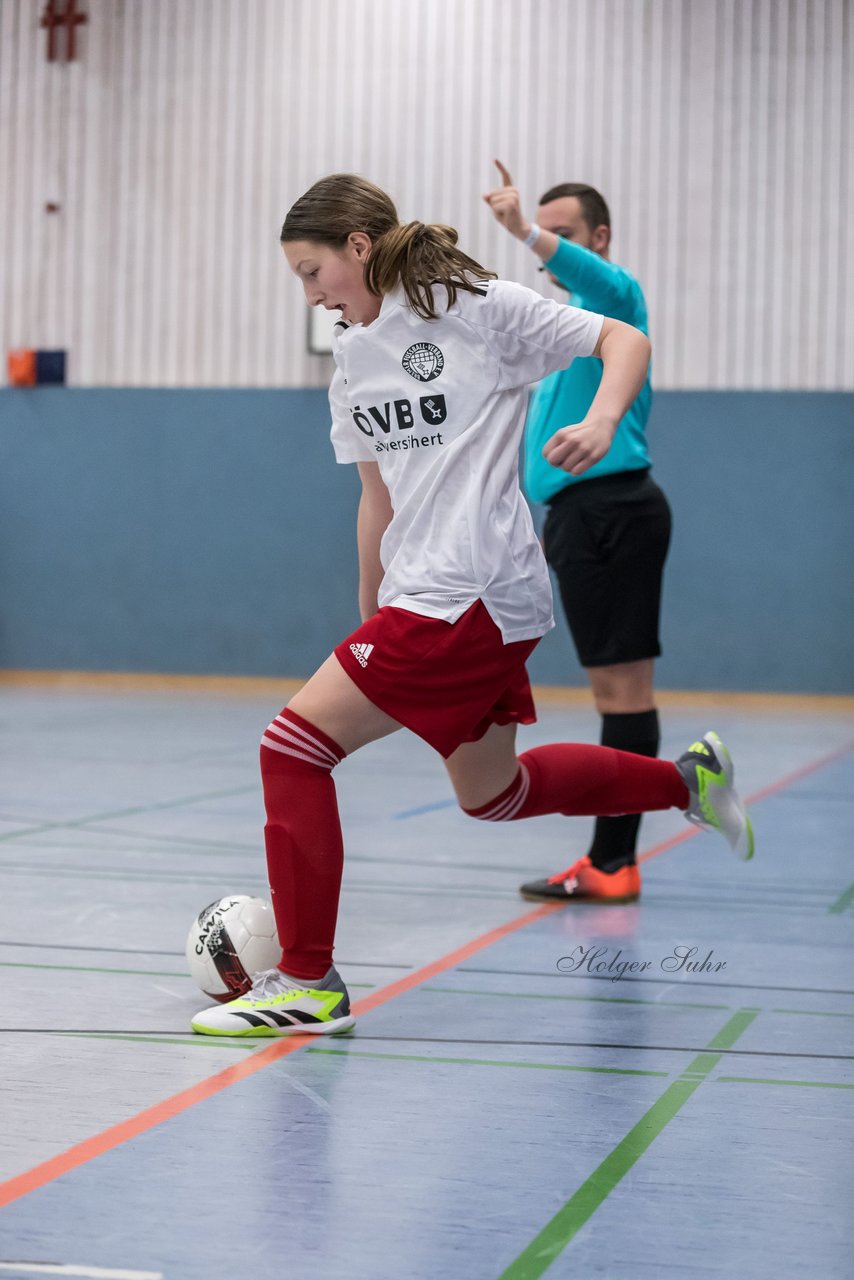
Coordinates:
232	939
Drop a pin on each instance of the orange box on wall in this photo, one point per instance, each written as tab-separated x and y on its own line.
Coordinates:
21	366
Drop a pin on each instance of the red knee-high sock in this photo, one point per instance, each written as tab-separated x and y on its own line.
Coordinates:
305	851
571	778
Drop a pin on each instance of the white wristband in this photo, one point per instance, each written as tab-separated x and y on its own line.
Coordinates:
532	236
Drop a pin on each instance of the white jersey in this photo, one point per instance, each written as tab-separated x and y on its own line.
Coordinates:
440	406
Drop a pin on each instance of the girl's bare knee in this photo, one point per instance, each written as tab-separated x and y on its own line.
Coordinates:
480	771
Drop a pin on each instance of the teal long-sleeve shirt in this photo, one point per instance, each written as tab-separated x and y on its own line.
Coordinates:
564	397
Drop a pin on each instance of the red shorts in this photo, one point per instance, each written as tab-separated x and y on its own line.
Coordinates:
447	682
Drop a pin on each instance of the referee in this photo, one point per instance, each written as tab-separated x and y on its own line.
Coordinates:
607	531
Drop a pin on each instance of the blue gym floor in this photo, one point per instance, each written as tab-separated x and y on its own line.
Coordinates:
499	1110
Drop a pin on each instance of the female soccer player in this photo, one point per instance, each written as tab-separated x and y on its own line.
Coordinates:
433	357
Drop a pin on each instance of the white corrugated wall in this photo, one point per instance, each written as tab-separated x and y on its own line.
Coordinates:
719	131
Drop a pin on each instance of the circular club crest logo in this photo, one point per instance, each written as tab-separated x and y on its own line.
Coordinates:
424	361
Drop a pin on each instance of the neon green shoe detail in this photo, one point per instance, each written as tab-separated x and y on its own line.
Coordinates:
276	1006
707	770
705	780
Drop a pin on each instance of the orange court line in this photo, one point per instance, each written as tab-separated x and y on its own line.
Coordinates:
797	774
773	787
100	1143
108	1139
451	959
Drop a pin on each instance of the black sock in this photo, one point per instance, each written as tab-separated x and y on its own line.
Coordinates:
615	839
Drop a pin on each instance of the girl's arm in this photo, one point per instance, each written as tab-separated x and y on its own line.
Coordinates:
375	513
624	352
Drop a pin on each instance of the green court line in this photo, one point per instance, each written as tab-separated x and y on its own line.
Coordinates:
195	842
85	968
190	876
695	1073
130	876
487	1062
734	1029
228	846
134	842
519	995
843	902
536	995
568	1221
126	813
223	848
142	973
803	1084
422	891
221	1042
814	1013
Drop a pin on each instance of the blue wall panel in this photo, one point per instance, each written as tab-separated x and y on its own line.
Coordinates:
210	531
759	588
190	531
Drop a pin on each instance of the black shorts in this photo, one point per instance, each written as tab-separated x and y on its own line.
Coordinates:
606	540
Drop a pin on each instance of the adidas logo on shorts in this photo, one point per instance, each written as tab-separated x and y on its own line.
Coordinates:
361	652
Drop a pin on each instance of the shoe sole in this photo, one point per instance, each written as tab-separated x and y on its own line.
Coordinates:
730	814
586	899
338	1027
751	843
733	823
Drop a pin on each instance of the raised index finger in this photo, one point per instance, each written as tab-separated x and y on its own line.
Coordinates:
505	176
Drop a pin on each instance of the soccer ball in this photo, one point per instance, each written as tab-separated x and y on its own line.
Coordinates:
232	939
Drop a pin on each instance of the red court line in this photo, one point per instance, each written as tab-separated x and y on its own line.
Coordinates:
773	787
117	1134
100	1143
797	774
665	845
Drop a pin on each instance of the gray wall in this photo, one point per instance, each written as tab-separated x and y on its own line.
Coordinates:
719	130
211	532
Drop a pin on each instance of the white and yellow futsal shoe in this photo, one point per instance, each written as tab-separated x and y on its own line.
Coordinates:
277	1005
707	770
